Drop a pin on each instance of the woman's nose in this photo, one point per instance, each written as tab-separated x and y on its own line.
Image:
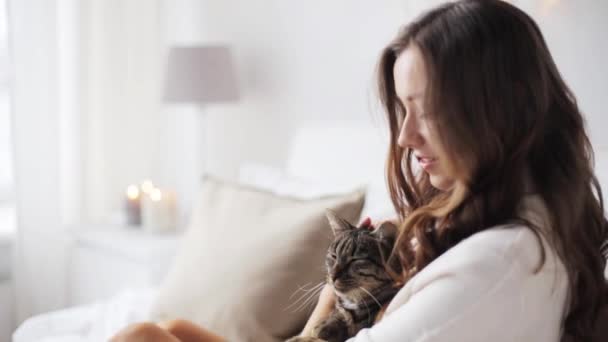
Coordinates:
409	136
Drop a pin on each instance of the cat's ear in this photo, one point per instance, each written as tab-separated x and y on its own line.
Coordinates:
338	224
387	231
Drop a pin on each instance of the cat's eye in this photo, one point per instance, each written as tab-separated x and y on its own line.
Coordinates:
331	259
358	264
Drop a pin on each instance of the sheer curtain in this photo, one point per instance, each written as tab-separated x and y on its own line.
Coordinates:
6	160
86	119
39	117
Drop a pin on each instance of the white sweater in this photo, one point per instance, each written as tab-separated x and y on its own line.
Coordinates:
482	289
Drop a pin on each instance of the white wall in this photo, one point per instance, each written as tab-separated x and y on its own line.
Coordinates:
121	123
298	61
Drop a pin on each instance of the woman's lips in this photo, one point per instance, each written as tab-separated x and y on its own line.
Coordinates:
426	162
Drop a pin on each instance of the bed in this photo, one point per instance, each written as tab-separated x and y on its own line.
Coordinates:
352	155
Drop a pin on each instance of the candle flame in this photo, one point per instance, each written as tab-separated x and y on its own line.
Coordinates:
156	195
132	192
147	186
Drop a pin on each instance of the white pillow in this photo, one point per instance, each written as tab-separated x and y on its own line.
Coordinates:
244	254
278	182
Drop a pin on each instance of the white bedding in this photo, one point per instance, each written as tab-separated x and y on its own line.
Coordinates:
94	322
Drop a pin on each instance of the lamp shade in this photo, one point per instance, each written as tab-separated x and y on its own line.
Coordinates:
202	74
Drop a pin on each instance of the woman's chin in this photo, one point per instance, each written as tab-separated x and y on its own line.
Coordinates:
440	182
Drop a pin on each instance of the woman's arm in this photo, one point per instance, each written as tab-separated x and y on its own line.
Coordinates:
187	331
325	305
170	331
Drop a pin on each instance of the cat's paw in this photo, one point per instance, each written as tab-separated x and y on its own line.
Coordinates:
305	339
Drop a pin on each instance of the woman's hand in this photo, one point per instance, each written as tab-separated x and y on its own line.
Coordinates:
325	305
366	223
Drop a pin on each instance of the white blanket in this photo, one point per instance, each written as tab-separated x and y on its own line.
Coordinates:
94	322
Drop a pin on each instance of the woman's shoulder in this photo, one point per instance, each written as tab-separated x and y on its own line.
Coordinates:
492	252
503	260
500	247
501	254
509	245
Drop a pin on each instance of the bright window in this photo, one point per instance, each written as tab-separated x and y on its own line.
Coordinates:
6	156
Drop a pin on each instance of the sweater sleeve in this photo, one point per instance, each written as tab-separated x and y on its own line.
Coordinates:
434	311
469	295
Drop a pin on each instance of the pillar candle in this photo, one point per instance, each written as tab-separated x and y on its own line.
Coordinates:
159	211
133	205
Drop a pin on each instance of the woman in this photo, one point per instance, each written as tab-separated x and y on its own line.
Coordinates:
502	233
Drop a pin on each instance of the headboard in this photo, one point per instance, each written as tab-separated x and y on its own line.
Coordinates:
344	153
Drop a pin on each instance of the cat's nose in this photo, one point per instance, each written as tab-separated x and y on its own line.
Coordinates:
336	272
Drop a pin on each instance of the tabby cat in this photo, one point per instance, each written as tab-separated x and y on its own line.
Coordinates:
356	267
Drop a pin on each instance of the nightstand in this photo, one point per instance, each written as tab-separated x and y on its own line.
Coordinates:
106	260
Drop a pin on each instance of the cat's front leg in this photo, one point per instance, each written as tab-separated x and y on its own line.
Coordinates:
333	329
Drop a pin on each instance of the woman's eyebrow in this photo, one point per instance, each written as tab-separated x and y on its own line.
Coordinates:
410	98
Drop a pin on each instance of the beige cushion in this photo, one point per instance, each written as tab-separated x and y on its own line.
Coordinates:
244	254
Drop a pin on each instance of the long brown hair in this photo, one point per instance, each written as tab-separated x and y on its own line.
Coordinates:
505	117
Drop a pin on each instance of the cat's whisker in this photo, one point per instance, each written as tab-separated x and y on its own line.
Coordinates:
301	288
310	293
304	304
371	295
305	297
306	291
302	297
309	300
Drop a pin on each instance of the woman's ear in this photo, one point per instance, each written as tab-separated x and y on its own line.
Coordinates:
338	224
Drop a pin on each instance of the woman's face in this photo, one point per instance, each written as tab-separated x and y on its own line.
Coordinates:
416	130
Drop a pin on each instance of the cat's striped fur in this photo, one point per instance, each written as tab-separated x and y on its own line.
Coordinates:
356	267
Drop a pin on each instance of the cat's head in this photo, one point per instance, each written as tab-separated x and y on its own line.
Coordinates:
357	258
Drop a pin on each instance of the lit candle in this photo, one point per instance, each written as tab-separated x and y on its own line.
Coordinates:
147	186
159	211
133	205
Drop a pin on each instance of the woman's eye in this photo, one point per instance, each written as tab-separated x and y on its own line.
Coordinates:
400	112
